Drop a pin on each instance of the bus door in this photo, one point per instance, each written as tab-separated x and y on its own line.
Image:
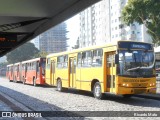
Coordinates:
52	72
111	72
72	72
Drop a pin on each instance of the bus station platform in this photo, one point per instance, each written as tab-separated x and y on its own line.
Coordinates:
7	104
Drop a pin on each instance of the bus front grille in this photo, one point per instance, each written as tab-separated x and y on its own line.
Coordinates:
139	84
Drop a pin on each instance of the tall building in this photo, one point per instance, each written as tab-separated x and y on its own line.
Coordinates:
101	23
35	41
54	40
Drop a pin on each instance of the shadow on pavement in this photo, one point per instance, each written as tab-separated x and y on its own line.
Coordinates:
49	110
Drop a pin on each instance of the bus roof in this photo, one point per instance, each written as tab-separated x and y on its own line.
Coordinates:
17	63
92	47
80	49
32	60
9	65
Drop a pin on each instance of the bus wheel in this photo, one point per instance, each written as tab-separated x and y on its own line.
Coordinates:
59	85
34	82
97	91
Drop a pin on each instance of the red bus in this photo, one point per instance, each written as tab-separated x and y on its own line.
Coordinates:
33	71
17	72
9	73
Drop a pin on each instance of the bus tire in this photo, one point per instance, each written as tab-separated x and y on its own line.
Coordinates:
59	86
97	92
34	82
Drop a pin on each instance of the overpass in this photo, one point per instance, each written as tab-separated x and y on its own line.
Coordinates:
22	20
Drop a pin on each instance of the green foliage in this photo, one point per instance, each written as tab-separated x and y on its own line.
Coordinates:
145	12
24	52
41	54
3	64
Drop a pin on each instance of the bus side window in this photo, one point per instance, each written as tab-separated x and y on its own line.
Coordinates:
79	58
97	57
109	61
65	64
86	58
37	67
18	68
60	61
31	66
26	67
34	65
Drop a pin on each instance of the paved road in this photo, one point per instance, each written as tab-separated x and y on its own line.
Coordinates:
43	98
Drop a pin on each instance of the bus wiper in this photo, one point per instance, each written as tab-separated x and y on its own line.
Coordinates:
133	69
138	68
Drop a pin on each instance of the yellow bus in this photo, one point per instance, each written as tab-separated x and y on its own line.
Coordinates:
124	68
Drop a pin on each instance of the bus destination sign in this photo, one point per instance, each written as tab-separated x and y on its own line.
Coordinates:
135	45
8	41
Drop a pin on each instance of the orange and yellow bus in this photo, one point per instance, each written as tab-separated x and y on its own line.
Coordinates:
124	68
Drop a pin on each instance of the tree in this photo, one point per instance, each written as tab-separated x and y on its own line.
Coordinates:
41	54
145	12
24	52
3	64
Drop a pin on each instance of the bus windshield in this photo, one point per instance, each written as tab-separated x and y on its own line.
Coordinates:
136	63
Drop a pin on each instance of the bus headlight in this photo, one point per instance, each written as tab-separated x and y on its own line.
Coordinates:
152	84
125	85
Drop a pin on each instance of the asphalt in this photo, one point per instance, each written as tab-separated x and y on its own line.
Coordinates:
7	104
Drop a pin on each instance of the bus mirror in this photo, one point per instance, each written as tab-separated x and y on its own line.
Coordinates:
116	59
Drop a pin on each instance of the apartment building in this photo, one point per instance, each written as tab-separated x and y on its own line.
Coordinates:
101	23
53	40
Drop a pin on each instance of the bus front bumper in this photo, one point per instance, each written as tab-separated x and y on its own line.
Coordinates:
127	90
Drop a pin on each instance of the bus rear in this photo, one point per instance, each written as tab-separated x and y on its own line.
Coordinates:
41	74
135	68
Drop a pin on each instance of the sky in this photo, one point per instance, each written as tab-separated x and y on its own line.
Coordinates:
73	28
